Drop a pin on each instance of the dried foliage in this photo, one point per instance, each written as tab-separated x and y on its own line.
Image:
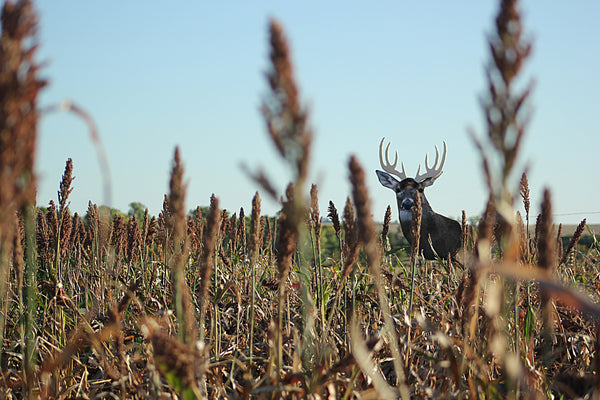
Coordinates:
334	217
206	258
524	192
286	119
213	305
19	88
573	242
386	227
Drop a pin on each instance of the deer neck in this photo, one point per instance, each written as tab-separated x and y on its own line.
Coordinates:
406	219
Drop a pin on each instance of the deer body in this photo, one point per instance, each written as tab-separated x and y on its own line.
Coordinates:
443	233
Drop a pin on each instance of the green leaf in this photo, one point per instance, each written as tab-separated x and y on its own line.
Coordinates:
529	325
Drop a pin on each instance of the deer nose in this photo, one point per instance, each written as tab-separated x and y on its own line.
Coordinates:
407	204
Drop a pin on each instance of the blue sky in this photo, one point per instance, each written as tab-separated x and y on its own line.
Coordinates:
155	75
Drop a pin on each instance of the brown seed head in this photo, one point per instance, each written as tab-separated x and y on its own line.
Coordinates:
78	235
505	119
52	220
523	245
524	192
65	185
546	242
350	248
509	51
288	234
286	120
43	238
366	229
387	219
65	230
573	242
209	241
134	238
255	228
19	87
152	229
233	233
224	222
415	228
366	226
177	200
333	216
241	233
314	212
118	237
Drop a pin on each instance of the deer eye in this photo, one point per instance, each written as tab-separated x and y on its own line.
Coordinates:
420	190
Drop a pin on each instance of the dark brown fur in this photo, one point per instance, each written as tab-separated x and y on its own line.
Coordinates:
444	233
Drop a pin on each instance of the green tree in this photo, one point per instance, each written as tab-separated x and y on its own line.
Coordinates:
110	211
330	247
138	209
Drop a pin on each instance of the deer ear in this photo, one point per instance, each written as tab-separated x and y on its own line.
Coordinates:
428	181
387	180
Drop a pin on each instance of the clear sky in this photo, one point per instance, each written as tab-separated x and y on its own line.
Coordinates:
159	74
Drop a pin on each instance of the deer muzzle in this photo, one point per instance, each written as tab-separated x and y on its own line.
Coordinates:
407	204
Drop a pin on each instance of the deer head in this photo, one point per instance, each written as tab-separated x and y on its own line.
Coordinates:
443	233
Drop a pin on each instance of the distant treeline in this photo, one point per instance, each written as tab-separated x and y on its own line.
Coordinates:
330	249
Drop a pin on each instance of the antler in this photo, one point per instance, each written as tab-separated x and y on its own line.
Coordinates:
387	166
434	172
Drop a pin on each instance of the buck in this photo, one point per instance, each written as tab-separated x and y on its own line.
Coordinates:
443	233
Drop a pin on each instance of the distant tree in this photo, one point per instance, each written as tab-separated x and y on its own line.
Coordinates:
398	243
473	221
111	211
203	210
138	209
330	247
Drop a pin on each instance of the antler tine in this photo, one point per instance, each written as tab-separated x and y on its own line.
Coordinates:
387	166
434	172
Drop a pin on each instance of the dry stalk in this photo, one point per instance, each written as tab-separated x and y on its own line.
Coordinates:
350	248
316	224
206	259
546	260
287	125
233	234
241	233
286	119
559	244
289	221
415	234
348	254
177	225
524	192
43	240
62	214
387	219
134	239
506	119
254	249
367	237
333	216
118	236
523	241
573	242
19	89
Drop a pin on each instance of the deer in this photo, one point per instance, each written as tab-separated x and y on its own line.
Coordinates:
443	233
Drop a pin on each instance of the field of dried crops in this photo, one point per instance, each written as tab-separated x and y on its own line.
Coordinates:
214	304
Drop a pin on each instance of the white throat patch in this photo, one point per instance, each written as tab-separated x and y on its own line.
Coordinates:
405	216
